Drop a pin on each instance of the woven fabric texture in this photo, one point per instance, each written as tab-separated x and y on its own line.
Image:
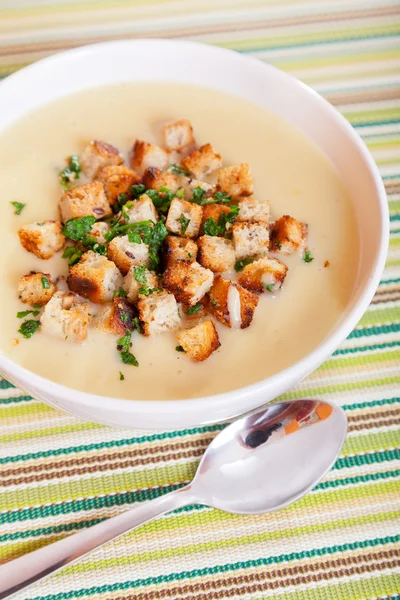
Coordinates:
59	475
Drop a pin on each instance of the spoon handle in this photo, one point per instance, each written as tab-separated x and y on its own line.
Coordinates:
25	570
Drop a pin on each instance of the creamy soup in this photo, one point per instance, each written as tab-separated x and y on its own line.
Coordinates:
288	170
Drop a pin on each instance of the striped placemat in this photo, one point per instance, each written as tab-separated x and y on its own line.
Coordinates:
59	475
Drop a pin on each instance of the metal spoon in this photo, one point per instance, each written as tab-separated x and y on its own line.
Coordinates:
261	462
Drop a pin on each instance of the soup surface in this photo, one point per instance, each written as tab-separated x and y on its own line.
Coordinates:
288	170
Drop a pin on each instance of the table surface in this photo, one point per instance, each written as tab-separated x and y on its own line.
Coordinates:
59	474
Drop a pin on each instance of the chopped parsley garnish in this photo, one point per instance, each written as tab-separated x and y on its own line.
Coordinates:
177	169
137	190
121	376
198	194
29	327
269	287
140	274
136	323
184	223
122	199
278	245
120	293
161	199
180	193
214	303
211	227
194	310
73	254
45	283
190	255
18	207
25	313
123	347
146	291
222	197
241	264
71	171
307	258
180	349
76	229
134	237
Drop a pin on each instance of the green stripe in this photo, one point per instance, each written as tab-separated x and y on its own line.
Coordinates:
381	315
370	403
225	568
366	359
15	399
338	387
368	331
371	442
343	351
48	431
26	410
345	462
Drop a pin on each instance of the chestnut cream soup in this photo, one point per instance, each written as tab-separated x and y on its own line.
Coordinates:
288	170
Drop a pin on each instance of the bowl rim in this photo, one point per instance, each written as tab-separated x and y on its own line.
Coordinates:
356	307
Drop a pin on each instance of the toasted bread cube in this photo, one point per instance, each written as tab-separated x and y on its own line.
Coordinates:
154	179
43	239
216	253
250	239
236	180
94	277
83	201
200	341
188	282
231	304
158	313
145	155
132	286
126	254
99	230
142	209
264	274
66	317
213	211
178	249
99	154
117	179
177	135
288	235
122	316
253	211
31	290
203	161
184	218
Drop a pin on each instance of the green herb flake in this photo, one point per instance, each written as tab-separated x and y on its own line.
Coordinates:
211	227
18	207
73	253
307	258
45	283
180	349
214	303
71	172
194	310
28	328
140	274
129	359
146	291
76	229
123	347
198	195
190	255
25	313
222	197
241	264
184	223
180	193
121	376
137	190
136	323
269	287
134	237
177	169
278	245
120	293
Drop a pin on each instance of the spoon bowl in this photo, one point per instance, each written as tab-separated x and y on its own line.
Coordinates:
259	463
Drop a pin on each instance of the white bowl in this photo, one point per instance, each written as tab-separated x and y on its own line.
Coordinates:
187	62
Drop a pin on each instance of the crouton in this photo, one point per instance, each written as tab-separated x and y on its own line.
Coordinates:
126	254
154	179
236	180
203	161
122	316
200	341
188	282
99	154
132	286
253	211
83	201
117	180
213	211
66	317
176	249
145	155
36	288
216	253
158	313
264	274
43	239
250	239
288	235
177	135
231	304
94	277
142	209
184	218
99	230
